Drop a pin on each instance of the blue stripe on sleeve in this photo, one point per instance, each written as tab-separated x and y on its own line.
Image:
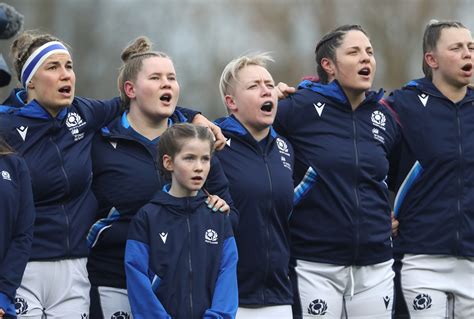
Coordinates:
101	225
143	300
305	185
225	300
410	179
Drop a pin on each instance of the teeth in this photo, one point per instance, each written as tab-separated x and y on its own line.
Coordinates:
267	106
165	97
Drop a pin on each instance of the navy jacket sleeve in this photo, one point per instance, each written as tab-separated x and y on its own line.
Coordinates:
283	116
103	111
143	300
218	184
188	113
18	253
225	300
395	154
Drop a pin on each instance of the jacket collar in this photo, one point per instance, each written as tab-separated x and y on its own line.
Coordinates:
425	85
120	127
232	127
179	205
334	92
15	103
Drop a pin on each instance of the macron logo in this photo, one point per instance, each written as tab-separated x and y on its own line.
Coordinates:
22	131
319	107
423	98
114	144
228	142
163	237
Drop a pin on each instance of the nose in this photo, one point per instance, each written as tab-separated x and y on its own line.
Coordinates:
66	73
165	83
365	57
266	91
467	52
198	167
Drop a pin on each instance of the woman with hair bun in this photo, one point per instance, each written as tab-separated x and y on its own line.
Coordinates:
126	171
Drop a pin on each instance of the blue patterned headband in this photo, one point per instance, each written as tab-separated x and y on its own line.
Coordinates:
37	58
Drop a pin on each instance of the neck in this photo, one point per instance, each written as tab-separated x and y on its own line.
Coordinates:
259	135
178	191
355	98
452	92
53	111
150	128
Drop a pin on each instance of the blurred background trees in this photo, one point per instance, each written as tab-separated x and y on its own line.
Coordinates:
203	35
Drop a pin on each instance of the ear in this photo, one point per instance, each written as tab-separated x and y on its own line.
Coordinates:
30	85
129	89
328	66
168	163
230	102
431	60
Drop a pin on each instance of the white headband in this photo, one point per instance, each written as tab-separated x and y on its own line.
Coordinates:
37	58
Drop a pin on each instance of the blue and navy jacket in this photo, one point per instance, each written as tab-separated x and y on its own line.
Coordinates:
16	221
57	152
126	176
342	212
261	185
435	171
181	260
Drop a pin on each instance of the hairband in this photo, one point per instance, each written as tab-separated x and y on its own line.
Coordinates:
37	58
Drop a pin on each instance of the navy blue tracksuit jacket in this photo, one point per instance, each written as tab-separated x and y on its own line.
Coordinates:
434	171
17	215
342	212
126	176
181	260
261	185
57	152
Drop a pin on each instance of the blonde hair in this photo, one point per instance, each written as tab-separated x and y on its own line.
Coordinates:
132	57
231	71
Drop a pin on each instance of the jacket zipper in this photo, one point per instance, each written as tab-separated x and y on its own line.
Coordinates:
68	244
459	179
267	228
190	268
356	191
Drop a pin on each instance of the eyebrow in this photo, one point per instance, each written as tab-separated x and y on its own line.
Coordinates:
461	43
260	80
57	62
357	47
160	73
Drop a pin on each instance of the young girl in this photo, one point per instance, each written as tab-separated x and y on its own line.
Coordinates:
434	171
124	156
16	225
341	225
180	257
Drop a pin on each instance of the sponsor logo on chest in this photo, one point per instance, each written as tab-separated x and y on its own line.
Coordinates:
6	176
74	123
283	149
378	120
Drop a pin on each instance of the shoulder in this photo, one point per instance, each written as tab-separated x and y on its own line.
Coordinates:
300	99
